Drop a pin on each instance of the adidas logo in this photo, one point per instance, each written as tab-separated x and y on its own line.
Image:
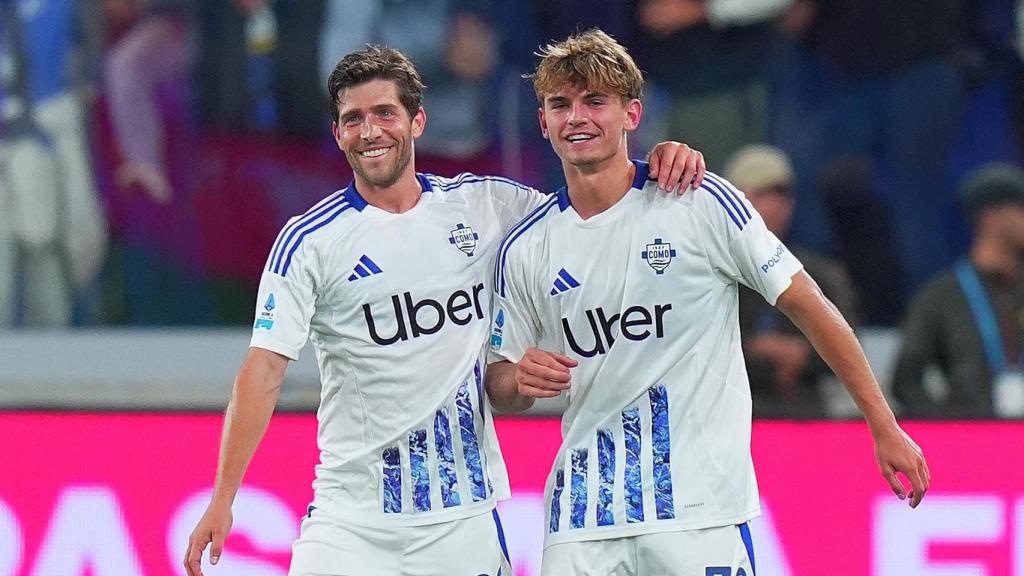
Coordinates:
563	283
366	267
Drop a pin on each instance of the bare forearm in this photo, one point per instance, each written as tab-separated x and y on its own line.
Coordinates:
503	390
834	340
253	398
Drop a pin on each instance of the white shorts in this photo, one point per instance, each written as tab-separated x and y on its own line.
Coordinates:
722	551
471	546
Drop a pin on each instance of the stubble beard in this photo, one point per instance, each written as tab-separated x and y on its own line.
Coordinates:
390	177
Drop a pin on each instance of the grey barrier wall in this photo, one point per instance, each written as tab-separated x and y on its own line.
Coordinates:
193	369
143	369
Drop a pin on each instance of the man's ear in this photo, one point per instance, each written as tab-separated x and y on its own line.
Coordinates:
634	111
419	122
543	123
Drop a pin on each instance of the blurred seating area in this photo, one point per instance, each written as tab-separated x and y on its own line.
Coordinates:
150	150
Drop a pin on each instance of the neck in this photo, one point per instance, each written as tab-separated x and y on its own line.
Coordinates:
990	255
397	198
594	189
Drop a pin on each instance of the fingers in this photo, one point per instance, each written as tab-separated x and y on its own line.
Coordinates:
919	480
920	486
897	487
542	374
701	168
654	163
564	360
671	179
677	167
217	548
194	555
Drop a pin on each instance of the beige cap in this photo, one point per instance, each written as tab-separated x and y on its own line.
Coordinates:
759	166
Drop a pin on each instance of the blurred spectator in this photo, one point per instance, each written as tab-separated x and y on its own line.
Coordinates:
1017	79
258	67
455	48
709	56
52	229
157	49
152	143
885	83
864	239
783	368
969	321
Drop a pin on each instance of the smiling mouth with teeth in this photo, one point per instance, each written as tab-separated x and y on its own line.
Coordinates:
579	138
374	153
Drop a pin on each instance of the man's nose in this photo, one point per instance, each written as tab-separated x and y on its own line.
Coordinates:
369	130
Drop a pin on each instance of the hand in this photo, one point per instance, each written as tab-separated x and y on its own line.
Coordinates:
150	178
213	528
676	166
542	374
896	452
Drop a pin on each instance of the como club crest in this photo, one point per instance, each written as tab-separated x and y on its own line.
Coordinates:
464	238
658	255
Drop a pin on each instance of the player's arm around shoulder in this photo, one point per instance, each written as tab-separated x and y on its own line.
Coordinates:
834	340
253	398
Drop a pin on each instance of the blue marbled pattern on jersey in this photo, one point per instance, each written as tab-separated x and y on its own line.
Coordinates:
661	447
556	501
446	459
470	448
634	483
392	481
479	379
606	476
418	466
578	493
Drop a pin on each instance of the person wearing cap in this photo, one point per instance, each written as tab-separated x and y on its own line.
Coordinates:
783	368
969	321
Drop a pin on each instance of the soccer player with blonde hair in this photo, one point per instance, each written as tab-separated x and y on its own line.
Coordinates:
626	300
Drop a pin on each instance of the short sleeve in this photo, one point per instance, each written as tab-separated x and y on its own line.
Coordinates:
286	301
739	245
514	201
515	325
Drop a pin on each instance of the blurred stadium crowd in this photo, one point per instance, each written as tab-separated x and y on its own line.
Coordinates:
150	150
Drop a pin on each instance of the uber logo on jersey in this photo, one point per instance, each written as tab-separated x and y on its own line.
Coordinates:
464	238
412	319
633	323
658	255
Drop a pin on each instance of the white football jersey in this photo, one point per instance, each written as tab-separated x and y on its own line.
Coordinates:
397	308
656	436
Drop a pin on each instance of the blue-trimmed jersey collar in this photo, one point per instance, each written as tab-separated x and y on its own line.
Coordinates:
358	202
643	171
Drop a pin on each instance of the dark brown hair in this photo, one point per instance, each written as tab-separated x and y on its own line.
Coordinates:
377	62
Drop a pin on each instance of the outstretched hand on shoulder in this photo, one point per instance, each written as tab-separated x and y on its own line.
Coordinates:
676	166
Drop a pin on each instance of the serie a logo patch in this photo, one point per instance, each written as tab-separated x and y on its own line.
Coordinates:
266	317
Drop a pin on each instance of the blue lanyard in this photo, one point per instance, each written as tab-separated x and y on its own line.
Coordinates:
984	316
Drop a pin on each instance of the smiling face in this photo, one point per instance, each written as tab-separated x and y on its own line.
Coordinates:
376	133
587	127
